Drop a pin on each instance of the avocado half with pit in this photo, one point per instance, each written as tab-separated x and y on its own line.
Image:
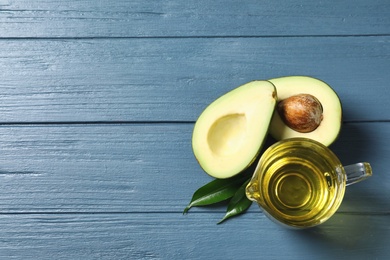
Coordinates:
307	107
230	132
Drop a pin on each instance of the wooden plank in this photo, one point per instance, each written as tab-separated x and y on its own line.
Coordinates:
172	236
74	18
97	105
174	79
145	168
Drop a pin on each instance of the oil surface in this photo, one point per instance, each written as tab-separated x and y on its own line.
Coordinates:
297	188
300	184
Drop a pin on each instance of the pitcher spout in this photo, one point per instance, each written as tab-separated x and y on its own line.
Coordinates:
252	191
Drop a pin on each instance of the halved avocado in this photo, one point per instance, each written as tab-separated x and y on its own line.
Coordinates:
297	93
230	132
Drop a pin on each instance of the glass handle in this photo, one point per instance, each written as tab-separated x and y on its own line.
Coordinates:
357	172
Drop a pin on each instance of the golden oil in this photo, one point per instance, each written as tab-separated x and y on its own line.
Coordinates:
299	183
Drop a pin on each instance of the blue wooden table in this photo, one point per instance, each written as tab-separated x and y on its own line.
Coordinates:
98	100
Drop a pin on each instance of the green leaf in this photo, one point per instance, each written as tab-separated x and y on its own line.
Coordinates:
216	191
238	204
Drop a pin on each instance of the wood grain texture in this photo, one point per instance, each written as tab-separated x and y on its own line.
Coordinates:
173	236
97	105
170	18
145	168
175	79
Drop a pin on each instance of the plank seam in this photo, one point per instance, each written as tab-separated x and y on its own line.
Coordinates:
382	213
141	122
30	123
197	37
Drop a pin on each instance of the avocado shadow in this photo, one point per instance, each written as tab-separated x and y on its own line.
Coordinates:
354	144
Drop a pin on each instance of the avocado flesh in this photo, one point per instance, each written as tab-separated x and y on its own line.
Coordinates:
230	132
329	128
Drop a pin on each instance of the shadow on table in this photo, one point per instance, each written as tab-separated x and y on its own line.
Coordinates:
351	232
356	143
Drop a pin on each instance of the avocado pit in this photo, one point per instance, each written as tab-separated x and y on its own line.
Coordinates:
302	112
